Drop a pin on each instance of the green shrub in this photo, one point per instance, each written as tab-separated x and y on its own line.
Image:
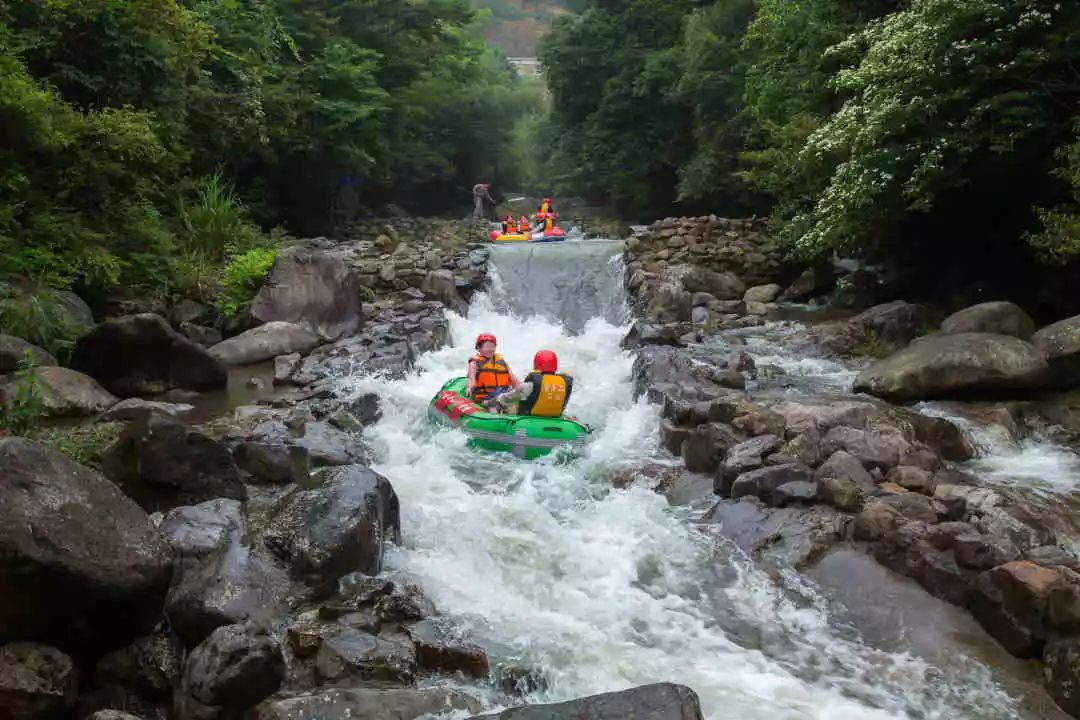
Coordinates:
85	444
216	223
242	278
20	411
40	318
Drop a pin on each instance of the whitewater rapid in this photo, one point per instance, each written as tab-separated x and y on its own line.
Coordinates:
550	568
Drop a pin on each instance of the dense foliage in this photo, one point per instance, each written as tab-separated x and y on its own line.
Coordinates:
149	142
874	125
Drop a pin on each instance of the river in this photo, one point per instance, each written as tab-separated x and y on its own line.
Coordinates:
550	567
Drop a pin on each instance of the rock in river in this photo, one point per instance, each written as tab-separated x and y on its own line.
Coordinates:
63	392
312	283
81	565
1060	343
965	365
234	668
140	354
662	701
162	463
265	342
37	682
367	703
1001	318
337	527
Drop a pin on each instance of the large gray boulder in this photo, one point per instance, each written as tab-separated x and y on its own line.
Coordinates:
63	393
313	283
338	526
882	327
266	342
1060	343
662	701
195	531
13	350
142	354
440	285
367	703
37	682
723	286
957	366
232	585
233	669
82	567
162	463
999	318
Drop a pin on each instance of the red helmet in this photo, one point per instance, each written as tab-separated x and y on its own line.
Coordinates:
485	337
546	361
547	200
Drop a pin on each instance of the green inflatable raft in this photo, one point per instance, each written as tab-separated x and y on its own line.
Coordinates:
523	435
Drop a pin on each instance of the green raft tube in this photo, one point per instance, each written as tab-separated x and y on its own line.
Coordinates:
525	436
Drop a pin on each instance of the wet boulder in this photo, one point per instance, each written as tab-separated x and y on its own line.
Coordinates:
195	531
266	342
706	445
843	482
983	552
327	446
742	458
352	656
1060	344
315	283
912	478
162	463
440	648
883	327
231	670
721	285
142	354
137	408
273	463
206	337
37	682
957	366
142	675
763	482
442	286
643	333
879	448
232	585
1061	671
999	318
14	350
336	527
112	715
762	293
63	393
367	703
662	701
924	553
783	537
81	566
1012	603
673	436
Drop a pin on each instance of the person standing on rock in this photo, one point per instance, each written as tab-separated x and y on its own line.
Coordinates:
481	195
489	376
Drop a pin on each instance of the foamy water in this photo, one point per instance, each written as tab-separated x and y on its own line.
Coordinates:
598	589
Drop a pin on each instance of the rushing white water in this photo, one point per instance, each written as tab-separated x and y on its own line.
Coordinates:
600	589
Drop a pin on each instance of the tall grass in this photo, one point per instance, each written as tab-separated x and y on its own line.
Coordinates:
41	318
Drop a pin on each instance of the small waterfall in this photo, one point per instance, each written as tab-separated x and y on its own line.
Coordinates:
567	282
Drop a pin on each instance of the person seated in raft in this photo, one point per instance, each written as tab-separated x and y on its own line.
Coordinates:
524	225
509	227
544	392
488	375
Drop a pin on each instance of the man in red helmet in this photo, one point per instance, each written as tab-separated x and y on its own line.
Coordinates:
488	375
545	391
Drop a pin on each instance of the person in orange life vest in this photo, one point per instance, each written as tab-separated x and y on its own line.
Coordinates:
488	375
524	225
508	225
544	392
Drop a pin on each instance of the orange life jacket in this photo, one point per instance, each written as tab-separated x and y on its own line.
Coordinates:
491	373
550	393
549	224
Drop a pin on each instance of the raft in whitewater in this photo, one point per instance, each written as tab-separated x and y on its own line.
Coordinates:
554	235
525	436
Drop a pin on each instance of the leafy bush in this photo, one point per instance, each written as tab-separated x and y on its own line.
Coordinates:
20	411
85	444
242	278
40	318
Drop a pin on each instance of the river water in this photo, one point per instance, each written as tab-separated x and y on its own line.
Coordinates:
551	568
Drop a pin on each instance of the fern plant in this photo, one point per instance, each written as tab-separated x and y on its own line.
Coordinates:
20	410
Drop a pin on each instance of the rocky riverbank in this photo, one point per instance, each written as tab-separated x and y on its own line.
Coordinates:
802	474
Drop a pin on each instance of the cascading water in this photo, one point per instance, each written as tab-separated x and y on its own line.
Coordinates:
599	589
